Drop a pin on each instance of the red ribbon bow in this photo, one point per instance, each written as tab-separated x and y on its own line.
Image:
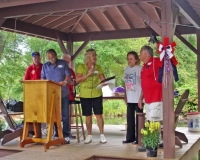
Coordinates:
168	49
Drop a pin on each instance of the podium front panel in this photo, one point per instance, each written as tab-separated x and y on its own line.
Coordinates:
37	100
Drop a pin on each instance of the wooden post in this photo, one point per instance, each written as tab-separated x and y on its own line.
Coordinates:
198	65
70	49
167	29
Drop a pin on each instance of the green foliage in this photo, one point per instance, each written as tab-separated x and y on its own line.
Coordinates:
15	57
150	134
2	125
114	108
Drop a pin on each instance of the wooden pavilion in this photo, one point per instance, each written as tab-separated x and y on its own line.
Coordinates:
69	21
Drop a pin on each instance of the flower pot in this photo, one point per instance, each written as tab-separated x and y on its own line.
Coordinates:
151	152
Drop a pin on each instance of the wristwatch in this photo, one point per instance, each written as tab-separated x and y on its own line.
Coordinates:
65	82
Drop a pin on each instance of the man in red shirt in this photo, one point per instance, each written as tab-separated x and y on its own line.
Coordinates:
151	88
33	72
70	86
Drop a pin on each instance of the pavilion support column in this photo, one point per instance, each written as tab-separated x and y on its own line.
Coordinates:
70	50
167	29
198	65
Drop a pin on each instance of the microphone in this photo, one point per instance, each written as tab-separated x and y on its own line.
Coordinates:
92	66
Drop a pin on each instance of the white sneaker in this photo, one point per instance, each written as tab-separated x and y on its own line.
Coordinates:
103	139
67	140
88	139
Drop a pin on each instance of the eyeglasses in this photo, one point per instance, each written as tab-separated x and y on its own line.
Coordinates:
52	58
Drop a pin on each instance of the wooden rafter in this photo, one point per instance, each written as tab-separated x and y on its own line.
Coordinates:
11	3
80	17
82	24
137	10
30	29
123	14
188	12
110	20
94	20
42	18
61	5
57	18
68	25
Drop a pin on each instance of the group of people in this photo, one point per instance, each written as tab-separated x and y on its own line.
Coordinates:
89	75
141	86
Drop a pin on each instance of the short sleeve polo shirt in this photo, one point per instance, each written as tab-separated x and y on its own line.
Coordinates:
151	88
88	87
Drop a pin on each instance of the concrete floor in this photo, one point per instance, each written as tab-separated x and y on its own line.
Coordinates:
80	151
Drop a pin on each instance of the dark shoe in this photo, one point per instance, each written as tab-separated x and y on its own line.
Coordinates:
127	141
135	142
160	145
141	149
71	136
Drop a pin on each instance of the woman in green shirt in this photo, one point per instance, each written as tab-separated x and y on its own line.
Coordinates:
90	75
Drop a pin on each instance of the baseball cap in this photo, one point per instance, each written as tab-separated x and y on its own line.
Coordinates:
35	54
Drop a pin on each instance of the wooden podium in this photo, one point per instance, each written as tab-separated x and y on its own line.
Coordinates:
42	104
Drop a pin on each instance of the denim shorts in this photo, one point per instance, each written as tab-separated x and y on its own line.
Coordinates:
90	105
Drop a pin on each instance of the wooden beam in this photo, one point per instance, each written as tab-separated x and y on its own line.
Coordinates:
42	32
70	44
83	46
121	11
78	20
185	29
42	18
175	17
110	20
82	24
2	20
186	42
108	35
60	42
188	12
68	25
31	29
10	3
56	18
94	20
198	64
168	84
137	10
61	6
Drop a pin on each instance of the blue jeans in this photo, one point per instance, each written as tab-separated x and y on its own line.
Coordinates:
65	117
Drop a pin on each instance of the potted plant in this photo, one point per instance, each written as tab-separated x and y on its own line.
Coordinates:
150	137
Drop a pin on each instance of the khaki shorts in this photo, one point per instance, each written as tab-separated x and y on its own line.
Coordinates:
154	111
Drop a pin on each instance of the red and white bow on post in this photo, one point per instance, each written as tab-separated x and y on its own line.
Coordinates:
168	49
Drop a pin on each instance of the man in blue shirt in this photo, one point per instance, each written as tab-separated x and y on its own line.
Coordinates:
57	70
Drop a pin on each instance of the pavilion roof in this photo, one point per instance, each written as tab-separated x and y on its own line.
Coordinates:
99	19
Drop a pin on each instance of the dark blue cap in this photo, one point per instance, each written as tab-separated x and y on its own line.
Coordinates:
35	54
